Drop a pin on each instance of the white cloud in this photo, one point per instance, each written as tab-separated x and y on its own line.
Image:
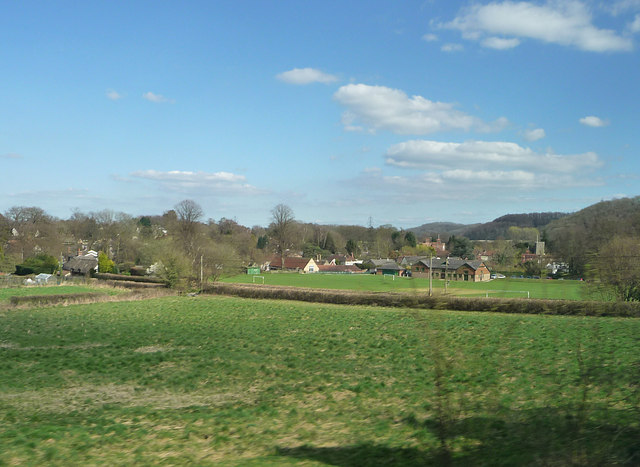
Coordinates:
616	7
452	48
534	134
430	37
635	26
383	108
114	95
157	98
208	182
563	22
306	76
593	121
11	155
500	43
485	155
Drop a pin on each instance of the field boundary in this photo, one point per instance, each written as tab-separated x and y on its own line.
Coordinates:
405	300
27	301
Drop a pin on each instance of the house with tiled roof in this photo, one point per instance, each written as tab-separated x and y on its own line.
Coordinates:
292	263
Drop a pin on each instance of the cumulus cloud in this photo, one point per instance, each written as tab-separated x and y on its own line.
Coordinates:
113	95
157	98
534	134
302	76
452	48
208	182
430	37
382	108
480	156
500	43
593	121
563	22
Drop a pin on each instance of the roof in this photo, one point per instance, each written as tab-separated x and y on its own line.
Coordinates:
290	262
81	264
339	268
410	260
453	263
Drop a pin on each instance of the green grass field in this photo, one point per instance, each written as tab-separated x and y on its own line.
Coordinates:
228	381
511	288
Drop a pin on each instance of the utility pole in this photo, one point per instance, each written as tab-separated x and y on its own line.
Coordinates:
446	274
430	275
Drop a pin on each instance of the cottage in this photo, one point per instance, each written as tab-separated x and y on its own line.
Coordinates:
81	265
292	263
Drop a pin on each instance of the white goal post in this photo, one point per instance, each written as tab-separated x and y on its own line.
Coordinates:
258	277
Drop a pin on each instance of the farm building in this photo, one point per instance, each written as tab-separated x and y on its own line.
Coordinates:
456	269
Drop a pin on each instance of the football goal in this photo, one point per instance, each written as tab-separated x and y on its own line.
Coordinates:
259	278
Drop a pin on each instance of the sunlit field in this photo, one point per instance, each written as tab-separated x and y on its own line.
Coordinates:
511	288
229	381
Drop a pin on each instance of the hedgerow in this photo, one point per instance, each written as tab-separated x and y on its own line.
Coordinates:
405	300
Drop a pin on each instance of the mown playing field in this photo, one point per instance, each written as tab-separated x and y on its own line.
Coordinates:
228	381
510	288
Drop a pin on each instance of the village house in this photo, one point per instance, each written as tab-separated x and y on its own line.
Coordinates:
82	264
438	245
456	269
291	263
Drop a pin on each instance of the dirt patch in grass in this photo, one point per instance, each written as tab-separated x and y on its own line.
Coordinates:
152	349
88	397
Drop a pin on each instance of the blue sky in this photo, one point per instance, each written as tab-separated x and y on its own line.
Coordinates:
402	112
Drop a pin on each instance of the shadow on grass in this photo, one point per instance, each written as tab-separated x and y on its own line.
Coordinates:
359	455
547	436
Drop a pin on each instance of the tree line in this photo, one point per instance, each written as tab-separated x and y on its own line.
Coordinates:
600	242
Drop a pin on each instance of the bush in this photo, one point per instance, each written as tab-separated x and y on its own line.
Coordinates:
38	264
105	264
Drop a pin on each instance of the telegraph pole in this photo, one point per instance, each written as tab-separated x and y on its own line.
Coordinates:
430	275
446	274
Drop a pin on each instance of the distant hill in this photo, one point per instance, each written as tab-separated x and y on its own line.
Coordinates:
443	229
499	227
578	235
488	230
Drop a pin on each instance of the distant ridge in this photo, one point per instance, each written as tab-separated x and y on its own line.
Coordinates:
489	230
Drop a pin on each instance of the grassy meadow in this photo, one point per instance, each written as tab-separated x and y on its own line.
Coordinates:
229	381
510	288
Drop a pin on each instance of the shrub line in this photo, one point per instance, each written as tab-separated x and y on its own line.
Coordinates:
404	300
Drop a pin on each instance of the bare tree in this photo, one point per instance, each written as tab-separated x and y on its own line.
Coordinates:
282	222
32	230
188	214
